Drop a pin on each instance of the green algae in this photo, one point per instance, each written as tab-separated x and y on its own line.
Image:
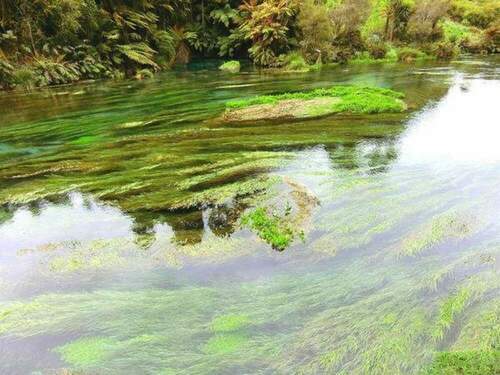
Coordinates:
228	323
225	343
85	352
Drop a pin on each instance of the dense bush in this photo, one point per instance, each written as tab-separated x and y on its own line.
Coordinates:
409	54
347	19
475	13
423	24
316	31
266	25
376	47
445	50
45	42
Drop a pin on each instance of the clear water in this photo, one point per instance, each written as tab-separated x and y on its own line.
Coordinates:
121	249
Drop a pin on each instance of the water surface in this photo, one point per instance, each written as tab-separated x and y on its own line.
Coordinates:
122	249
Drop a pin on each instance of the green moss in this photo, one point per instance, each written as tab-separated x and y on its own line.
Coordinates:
225	343
232	66
470	362
271	227
87	139
87	351
354	99
228	323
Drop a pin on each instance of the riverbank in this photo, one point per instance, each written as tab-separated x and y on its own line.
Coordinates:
49	44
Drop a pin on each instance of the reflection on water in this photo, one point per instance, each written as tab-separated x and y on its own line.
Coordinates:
461	127
121	247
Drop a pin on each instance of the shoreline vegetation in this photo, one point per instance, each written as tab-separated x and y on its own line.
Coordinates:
54	42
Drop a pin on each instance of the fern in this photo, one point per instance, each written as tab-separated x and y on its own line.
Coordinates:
140	53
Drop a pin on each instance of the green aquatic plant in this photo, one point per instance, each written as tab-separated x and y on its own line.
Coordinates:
470	362
448	311
271	227
87	351
439	230
228	323
225	343
355	99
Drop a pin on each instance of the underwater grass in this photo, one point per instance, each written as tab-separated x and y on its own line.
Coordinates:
86	351
354	99
449	310
230	322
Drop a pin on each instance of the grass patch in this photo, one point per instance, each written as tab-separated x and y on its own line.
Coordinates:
354	99
273	228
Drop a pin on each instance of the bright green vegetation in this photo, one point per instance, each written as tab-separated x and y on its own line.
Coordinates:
472	362
229	334
231	66
362	99
51	42
352	99
449	310
440	229
272	227
86	352
228	323
225	343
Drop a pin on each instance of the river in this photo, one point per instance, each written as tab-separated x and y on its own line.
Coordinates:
121	249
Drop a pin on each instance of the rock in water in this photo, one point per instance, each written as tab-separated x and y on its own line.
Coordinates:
230	66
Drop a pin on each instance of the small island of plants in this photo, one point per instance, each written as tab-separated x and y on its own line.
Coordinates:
315	103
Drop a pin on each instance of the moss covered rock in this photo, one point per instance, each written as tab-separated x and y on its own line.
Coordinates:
230	66
315	103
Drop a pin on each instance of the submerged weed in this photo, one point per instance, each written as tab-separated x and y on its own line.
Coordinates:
439	230
228	323
225	343
87	351
448	311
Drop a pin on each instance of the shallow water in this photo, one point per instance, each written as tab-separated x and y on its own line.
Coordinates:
122	250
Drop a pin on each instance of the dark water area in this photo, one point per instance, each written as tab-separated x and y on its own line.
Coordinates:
122	249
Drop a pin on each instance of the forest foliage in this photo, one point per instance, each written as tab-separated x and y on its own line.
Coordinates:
46	42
